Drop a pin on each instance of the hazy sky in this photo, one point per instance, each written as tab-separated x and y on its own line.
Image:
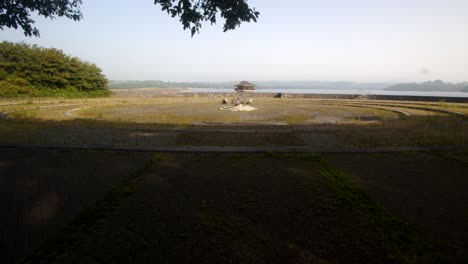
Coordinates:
352	40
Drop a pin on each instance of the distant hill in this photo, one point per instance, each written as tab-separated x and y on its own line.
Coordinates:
342	85
432	86
260	85
161	84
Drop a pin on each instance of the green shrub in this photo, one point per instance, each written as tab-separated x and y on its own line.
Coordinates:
15	87
32	71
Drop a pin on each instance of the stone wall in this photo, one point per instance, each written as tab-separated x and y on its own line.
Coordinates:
325	96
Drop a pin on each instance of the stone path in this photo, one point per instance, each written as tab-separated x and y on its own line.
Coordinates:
193	139
235	149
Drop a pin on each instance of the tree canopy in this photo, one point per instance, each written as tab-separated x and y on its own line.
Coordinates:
17	13
27	70
193	12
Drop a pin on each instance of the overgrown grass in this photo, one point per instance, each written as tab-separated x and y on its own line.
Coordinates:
460	157
429	130
24	113
85	222
395	235
53	93
16	132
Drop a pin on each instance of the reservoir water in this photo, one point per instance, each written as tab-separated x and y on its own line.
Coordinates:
333	91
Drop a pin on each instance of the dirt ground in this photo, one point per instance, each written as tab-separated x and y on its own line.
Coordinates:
231	209
42	190
429	190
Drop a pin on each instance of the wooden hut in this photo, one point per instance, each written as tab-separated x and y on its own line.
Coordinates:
245	86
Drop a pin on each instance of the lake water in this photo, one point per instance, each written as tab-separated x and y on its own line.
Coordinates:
334	91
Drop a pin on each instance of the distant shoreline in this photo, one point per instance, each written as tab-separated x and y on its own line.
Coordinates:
332	94
367	92
146	92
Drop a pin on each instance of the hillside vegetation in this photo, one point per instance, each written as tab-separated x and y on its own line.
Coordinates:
32	71
432	86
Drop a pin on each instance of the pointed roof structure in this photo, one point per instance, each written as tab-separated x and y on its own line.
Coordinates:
245	86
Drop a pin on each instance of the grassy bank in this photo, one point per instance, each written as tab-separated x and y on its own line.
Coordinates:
6	92
33	71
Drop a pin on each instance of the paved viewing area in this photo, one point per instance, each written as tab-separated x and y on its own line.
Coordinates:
196	140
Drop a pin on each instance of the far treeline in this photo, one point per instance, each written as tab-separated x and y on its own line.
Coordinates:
162	84
434	86
32	71
259	85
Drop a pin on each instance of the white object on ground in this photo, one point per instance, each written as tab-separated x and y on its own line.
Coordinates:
238	108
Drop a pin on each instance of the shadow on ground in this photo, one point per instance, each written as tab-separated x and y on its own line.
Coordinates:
239	208
41	191
412	131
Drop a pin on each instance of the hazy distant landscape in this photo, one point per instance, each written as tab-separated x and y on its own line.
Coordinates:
429	86
341	85
435	86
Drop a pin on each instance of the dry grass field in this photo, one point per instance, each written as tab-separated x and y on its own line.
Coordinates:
360	123
145	206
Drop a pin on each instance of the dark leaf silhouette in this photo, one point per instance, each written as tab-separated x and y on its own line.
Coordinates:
193	12
17	13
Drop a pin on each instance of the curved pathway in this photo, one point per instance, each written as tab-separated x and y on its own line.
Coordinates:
4	115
